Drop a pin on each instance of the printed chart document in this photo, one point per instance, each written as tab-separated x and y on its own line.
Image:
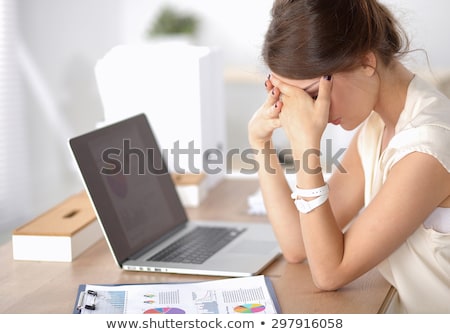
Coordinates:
253	294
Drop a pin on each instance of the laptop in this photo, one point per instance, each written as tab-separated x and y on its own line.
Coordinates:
143	218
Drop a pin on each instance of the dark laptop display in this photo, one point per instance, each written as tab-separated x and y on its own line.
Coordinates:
141	213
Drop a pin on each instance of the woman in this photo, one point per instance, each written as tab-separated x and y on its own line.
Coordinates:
338	62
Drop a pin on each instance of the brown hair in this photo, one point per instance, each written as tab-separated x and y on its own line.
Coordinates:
311	38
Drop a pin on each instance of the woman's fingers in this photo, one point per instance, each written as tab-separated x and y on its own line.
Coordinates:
275	110
323	101
273	96
267	118
301	113
282	87
268	84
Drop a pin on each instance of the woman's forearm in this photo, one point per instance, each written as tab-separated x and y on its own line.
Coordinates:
279	206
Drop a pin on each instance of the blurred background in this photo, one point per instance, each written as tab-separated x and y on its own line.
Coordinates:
48	91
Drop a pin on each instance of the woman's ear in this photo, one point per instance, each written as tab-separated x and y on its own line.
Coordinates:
369	63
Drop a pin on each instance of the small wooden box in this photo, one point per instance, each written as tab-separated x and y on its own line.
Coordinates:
60	234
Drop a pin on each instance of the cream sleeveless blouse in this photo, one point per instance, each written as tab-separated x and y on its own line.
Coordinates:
420	268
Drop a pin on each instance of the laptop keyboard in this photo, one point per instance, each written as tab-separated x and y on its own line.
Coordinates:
198	245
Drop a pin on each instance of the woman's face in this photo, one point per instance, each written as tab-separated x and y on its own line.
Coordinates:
353	96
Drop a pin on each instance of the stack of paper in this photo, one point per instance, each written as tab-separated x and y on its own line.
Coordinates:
191	188
255	201
256	204
253	294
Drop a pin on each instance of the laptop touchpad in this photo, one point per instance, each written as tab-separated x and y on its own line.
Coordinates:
253	247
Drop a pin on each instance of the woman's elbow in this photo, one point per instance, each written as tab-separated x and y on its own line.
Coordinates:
327	281
294	258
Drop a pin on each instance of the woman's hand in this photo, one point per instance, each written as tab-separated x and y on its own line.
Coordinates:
266	119
303	118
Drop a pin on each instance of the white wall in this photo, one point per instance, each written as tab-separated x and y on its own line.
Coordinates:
236	26
66	37
62	41
428	26
239	26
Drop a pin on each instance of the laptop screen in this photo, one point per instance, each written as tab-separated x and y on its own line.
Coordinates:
127	178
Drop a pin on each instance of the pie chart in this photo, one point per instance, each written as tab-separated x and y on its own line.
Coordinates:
249	308
165	310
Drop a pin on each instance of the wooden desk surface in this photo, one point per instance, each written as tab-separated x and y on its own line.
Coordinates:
44	287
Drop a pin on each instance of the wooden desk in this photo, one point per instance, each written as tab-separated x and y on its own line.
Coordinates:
42	287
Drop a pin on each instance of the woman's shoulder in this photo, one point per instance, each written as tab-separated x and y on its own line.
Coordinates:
425	105
423	126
